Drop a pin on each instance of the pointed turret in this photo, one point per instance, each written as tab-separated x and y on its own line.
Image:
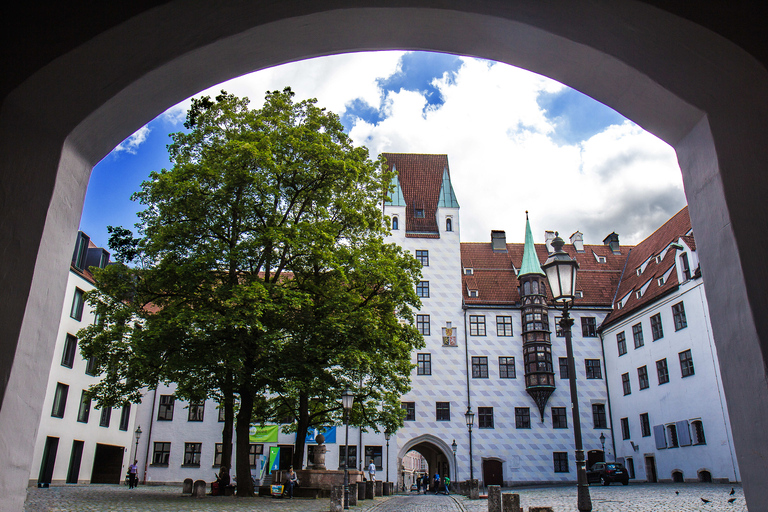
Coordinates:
447	198
396	198
537	347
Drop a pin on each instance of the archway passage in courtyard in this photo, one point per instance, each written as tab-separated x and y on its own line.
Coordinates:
438	454
75	100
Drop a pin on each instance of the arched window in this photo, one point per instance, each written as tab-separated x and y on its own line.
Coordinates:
535	287
448	224
698	432
527	288
395	226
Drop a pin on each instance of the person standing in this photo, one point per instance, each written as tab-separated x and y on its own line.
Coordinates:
437	482
133	474
372	471
293	479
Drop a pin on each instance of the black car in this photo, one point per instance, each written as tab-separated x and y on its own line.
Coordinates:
607	472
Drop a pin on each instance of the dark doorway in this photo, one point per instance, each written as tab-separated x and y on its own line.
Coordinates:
705	476
492	472
286	456
650	469
107	464
49	460
595	456
74	462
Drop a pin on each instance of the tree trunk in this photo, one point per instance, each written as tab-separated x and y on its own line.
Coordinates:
301	430
242	429
229	420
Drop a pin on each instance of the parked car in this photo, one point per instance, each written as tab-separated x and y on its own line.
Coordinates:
607	472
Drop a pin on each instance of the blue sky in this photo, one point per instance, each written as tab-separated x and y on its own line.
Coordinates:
528	137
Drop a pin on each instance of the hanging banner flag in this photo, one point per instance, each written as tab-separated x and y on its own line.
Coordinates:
330	435
274	458
266	434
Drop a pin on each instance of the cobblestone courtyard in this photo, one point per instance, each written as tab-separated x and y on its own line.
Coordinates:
632	498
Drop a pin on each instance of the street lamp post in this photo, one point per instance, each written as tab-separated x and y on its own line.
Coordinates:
455	477
347	399
469	416
602	443
387	435
561	275
138	435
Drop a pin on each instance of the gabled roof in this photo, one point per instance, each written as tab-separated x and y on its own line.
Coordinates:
421	179
674	229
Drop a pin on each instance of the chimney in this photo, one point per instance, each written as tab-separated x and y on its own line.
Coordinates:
612	241
577	239
548	237
498	241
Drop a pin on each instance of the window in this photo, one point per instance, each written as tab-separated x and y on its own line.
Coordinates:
621	343
522	417
192	453
125	417
535	319
685	267
662	371
254	450
106	417
637	335
559	419
598	416
422	289
373	452
443	411
473	293
625	384
645	425
424	364
625	428
593	369
351	460
165	410
448	224
469	271
678	314
84	411
698	432
564	368
410	410
588	327
642	377
485	417
218	450
92	366
395	224
423	257
59	400
221	413
672	441
477	325
506	367
503	326
196	411
77	305
560	460
559	333
686	363
161	454
81	250
422	324
479	367
419	213
70	349
656	329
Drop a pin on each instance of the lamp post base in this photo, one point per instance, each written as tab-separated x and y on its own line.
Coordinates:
584	501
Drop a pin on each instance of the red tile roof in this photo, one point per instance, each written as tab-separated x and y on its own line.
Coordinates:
420	179
647	250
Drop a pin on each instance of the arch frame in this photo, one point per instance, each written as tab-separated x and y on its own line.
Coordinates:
689	86
435	441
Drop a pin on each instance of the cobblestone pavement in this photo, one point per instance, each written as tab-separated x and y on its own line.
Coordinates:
631	498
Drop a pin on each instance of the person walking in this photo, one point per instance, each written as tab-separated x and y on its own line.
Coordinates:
293	479
446	484
372	471
133	474
437	482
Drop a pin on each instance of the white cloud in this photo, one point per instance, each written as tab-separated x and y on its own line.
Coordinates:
132	143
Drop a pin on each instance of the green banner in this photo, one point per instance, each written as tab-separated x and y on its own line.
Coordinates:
267	434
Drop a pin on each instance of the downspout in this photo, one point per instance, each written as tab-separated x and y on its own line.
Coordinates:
149	435
466	353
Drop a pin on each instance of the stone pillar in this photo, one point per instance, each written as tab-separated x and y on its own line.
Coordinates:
387	489
187	489
378	488
494	498
352	494
510	502
474	489
369	490
360	490
337	498
539	509
199	489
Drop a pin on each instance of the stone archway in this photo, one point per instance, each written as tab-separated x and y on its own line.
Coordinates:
691	87
438	453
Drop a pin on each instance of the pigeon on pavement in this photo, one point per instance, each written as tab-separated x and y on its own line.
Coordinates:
705	501
731	500
733	491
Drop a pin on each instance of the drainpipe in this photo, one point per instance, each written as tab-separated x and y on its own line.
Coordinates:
608	394
149	434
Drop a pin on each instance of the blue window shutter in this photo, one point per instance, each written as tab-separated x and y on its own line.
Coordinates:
661	439
683	433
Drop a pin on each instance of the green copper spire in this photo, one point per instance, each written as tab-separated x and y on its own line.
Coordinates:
396	199
447	198
530	260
